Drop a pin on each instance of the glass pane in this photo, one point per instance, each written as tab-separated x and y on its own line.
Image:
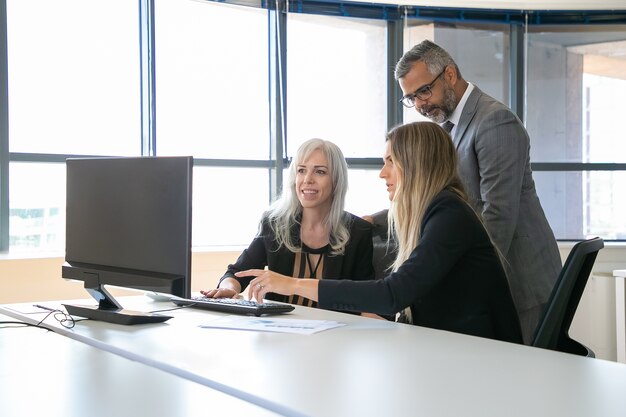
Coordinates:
581	72
580	205
37	215
337	83
367	193
485	64
37	212
74	77
211	80
228	204
603	105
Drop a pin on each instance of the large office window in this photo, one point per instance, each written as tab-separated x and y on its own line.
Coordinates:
73	89
37	207
574	82
212	102
211	80
227	204
336	83
78	84
336	90
73	70
579	71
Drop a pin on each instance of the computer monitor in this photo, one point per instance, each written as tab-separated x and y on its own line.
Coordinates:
128	224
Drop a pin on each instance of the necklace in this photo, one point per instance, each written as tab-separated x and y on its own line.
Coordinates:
307	252
317	264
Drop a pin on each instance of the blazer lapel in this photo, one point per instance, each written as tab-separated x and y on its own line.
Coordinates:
471	105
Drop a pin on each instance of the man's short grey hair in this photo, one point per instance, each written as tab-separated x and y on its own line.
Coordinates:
434	56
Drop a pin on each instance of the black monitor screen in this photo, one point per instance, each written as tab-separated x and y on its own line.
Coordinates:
128	224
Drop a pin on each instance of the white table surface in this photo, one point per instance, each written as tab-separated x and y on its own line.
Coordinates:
367	368
46	374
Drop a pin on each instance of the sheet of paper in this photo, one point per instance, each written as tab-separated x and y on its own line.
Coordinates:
272	324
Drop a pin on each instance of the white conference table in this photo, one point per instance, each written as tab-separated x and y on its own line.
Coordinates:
366	368
46	374
620	313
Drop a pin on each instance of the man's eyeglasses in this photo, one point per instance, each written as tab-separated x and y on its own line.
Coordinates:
423	93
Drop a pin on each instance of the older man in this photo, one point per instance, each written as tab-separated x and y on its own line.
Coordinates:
493	148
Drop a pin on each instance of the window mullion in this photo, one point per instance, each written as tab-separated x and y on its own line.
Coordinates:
4	131
395	40
277	38
517	64
147	84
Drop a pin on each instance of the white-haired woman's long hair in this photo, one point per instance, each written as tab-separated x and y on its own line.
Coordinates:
287	210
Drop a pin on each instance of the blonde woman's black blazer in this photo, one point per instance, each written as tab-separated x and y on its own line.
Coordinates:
453	280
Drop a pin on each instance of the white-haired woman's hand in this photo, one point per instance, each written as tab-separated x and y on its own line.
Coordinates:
220	293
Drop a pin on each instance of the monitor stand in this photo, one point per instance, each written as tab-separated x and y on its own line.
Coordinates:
117	316
109	310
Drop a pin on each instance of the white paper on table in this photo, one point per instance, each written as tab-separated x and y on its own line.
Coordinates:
271	324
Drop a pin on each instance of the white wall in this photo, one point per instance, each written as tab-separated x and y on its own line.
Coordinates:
594	322
39	279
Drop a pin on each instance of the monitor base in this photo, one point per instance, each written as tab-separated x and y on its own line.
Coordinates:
117	316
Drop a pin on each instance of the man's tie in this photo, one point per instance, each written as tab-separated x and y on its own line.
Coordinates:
448	125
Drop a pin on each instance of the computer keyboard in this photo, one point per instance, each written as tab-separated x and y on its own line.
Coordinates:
233	305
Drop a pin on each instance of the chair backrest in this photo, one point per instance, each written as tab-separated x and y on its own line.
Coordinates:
553	328
385	251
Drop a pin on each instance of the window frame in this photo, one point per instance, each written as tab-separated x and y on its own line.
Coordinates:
277	39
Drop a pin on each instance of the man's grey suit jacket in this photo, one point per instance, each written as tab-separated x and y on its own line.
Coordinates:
494	164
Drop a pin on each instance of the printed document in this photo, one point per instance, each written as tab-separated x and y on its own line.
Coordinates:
272	324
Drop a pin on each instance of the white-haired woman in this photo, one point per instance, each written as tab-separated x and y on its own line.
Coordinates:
306	233
447	274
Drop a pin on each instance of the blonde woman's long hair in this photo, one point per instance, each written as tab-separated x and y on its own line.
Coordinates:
287	210
426	164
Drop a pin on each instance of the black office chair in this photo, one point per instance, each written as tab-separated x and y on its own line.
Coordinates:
553	328
384	251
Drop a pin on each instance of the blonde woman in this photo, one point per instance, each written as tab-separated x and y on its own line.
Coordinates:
307	233
447	274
